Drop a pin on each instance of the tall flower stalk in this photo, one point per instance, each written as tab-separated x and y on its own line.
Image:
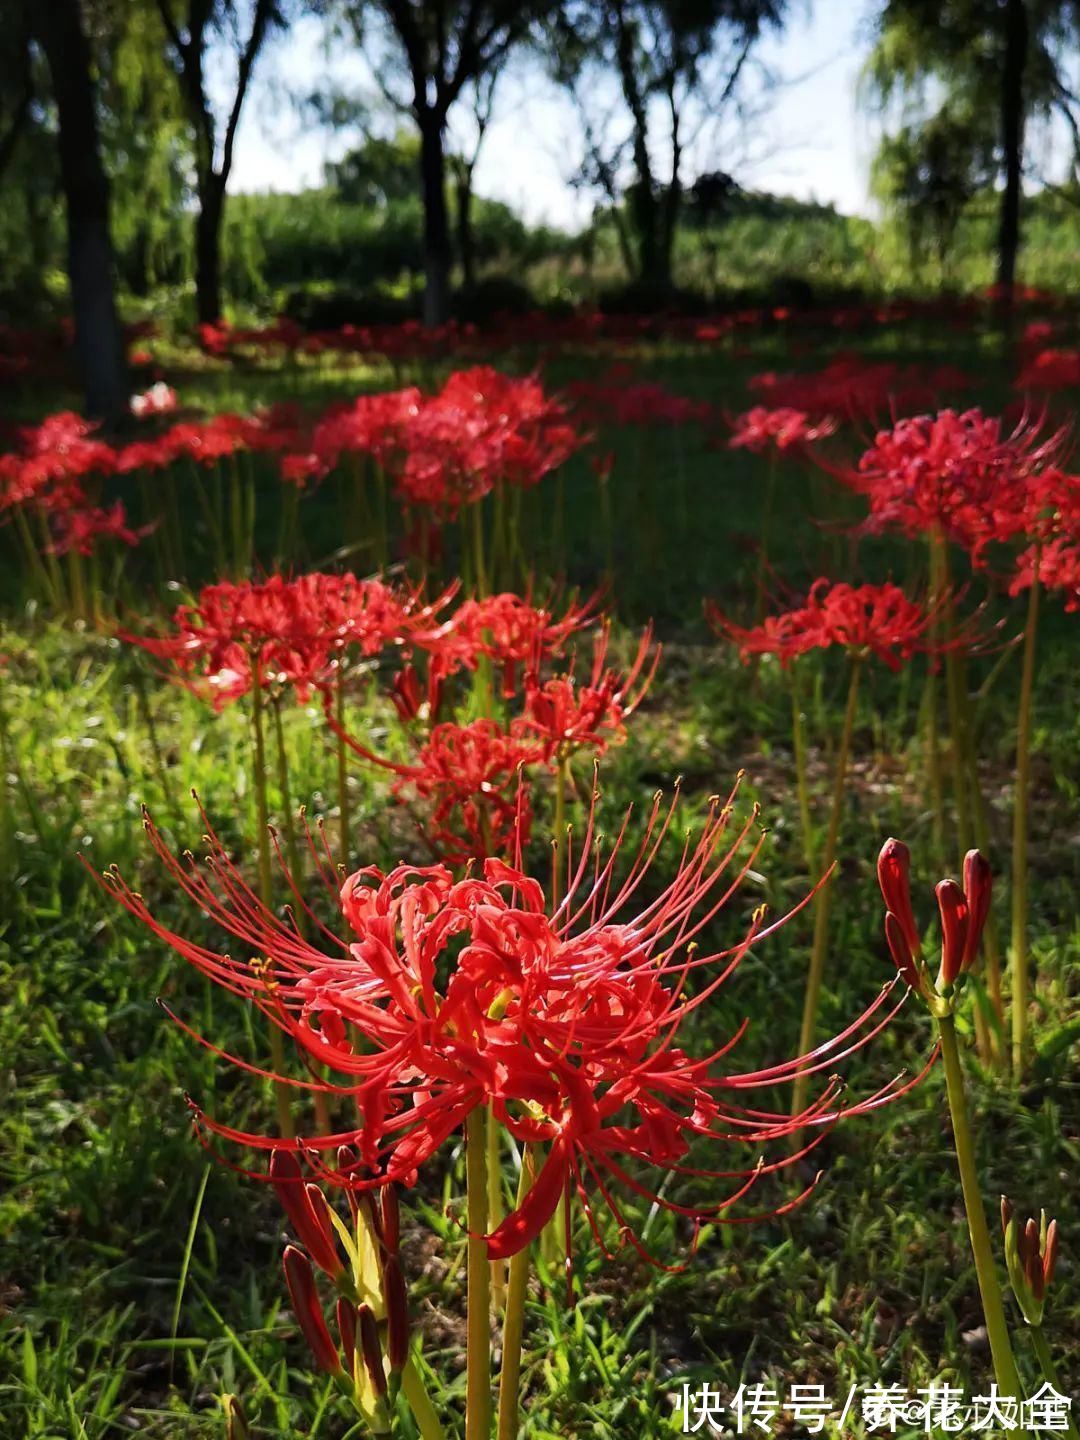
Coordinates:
963	915
1020	967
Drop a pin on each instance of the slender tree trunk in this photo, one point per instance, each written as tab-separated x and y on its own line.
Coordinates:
98	340
466	249
437	253
1012	143
208	249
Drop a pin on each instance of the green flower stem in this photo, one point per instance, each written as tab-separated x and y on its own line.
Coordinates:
989	1289
496	1209
514	1322
478	1361
798	739
1049	1370
342	767
478	548
1020	958
262	814
821	914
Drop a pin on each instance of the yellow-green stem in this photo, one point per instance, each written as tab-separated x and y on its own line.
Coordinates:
1020	835
415	1392
292	851
342	769
552	1238
821	914
277	1044
514	1323
480	577
1049	1370
989	1289
495	1209
478	1350
798	738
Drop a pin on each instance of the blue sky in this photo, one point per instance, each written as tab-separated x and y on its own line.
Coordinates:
808	137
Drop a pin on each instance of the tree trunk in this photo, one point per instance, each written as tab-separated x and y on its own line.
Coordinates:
86	193
466	248
208	250
437	253
1012	143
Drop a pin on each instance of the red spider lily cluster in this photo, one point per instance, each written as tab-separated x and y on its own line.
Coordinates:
449	449
466	773
567	1024
962	475
878	620
762	429
850	388
282	632
619	399
48	478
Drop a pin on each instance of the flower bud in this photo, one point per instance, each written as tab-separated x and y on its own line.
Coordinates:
371	1350
391	1218
978	884
346	1323
901	954
893	871
300	1279
954	931
236	1425
396	1299
1030	1256
313	1226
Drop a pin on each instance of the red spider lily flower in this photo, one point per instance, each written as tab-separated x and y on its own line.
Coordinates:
510	630
1050	370
307	1310
1056	566
447	994
786	429
1031	1257
280	632
467	775
876	620
963	913
569	717
80	529
960	474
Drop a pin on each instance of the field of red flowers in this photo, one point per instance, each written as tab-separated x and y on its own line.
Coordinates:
539	879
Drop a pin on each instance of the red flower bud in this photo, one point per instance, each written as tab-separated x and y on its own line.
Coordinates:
978	884
371	1349
397	1313
1050	1253
893	870
346	1323
954	930
313	1227
1006	1213
391	1219
901	955
300	1279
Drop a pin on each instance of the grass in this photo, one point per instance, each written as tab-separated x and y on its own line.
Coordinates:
139	1284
